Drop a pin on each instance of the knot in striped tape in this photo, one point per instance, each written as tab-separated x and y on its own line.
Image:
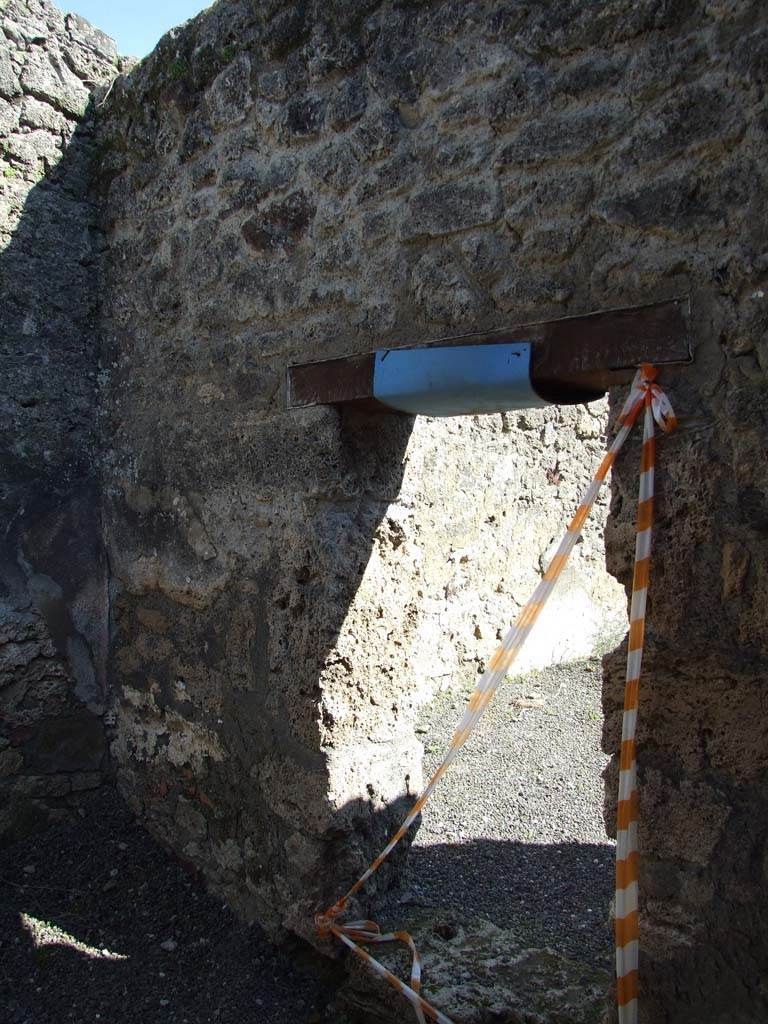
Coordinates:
644	388
324	924
646	394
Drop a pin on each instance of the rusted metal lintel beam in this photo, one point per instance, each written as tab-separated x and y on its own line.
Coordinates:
574	359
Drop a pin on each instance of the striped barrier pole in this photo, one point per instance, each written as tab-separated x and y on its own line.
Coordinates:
644	394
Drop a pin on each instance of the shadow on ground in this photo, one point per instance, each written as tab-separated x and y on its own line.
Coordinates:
108	886
80	895
554	895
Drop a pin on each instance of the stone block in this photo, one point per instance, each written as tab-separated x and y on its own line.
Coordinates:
23	27
9	81
83	32
11	761
82	781
347	102
751	57
397	74
28	787
17	655
692	117
392	175
230	92
333	49
444	295
671	201
574	29
259	176
567	188
376	134
35	148
46	77
600	72
381	223
444	156
190	818
69	744
550	242
521	92
35	114
9	119
303	117
447	208
522	289
660	66
285	80
669	809
285	30
336	167
281	226
572	135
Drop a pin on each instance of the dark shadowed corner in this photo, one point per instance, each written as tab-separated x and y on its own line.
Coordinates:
53	572
701	733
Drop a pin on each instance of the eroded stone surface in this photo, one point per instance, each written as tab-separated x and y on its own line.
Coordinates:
477	973
702	742
289	587
53	616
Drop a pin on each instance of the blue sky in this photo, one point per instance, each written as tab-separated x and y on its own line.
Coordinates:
135	25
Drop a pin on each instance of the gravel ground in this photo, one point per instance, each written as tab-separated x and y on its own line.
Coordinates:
514	831
99	926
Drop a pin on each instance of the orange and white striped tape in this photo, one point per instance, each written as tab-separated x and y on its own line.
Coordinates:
626	922
644	394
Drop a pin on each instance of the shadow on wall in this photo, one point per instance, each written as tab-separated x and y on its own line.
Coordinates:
702	822
53	598
237	544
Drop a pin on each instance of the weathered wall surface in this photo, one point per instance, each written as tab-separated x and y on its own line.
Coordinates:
694	203
280	183
287	181
53	608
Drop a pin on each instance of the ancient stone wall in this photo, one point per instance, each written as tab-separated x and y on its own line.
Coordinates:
281	183
692	207
53	602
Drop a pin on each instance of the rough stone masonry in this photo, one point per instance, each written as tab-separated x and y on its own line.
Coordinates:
278	184
53	626
286	181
